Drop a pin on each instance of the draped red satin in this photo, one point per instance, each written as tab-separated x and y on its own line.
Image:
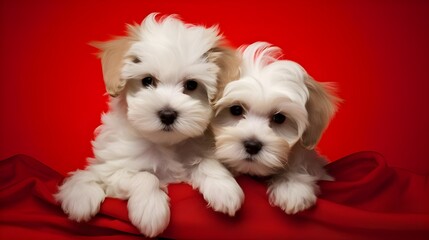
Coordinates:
368	200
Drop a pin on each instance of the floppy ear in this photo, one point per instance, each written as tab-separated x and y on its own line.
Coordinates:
228	61
112	56
321	106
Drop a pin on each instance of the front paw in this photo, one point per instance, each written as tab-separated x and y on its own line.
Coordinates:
80	201
223	195
149	213
292	197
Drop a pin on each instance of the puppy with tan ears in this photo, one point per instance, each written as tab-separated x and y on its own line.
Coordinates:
268	122
162	78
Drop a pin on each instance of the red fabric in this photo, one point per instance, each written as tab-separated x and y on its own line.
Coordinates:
368	200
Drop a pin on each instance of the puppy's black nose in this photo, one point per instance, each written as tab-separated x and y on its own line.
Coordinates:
167	116
252	146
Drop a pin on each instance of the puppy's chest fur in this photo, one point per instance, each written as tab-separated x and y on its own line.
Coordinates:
119	147
173	163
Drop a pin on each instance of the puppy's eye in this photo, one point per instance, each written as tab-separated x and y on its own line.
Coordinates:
136	60
191	85
148	81
236	110
279	118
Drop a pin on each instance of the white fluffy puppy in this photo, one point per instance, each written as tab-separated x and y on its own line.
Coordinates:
162	77
269	120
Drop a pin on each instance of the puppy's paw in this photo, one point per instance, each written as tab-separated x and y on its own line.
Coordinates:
80	200
292	197
150	213
218	187
223	195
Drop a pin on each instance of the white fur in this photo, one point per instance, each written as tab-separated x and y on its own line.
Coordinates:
267	86
217	187
135	155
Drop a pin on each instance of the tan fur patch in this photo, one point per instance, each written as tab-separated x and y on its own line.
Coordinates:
112	55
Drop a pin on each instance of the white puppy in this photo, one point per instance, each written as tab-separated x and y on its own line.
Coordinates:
269	120
162	77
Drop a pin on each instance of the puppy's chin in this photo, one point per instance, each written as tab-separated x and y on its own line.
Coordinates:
251	167
168	135
165	137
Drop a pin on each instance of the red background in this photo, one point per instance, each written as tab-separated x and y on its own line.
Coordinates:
51	92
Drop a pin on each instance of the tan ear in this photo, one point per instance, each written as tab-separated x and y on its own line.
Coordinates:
112	55
229	63
321	107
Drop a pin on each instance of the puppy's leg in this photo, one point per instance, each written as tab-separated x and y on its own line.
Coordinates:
315	165
293	192
148	205
81	195
218	186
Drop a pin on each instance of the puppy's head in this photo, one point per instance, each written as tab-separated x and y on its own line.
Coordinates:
272	106
167	73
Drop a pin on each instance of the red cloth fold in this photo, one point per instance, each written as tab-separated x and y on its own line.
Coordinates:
368	200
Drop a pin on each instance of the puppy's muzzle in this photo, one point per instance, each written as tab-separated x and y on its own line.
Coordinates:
252	146
167	116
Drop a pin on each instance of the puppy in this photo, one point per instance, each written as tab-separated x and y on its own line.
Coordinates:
268	122
161	77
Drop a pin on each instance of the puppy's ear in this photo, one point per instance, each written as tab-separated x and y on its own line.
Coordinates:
321	106
228	61
112	55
